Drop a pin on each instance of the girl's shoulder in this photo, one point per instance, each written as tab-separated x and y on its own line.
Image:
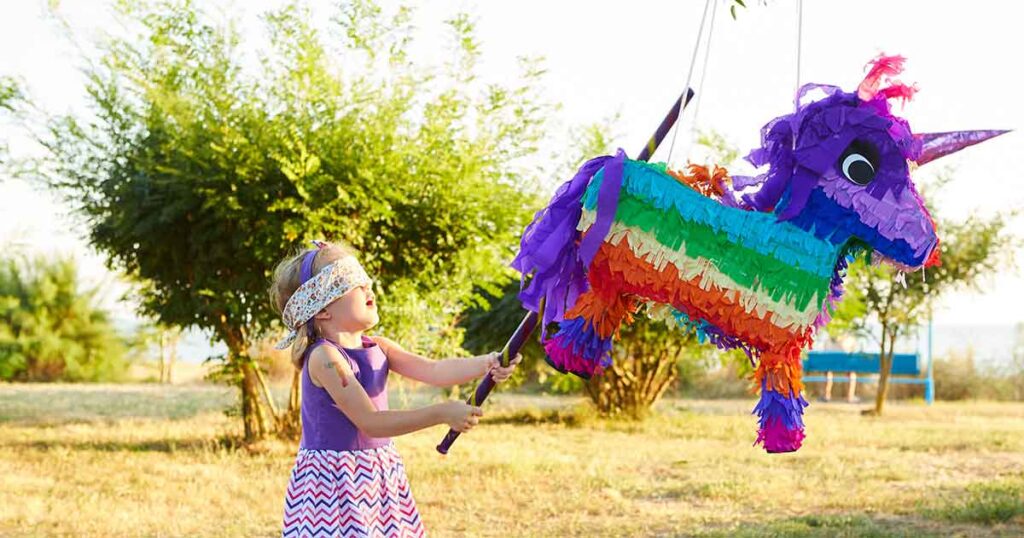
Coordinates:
318	348
386	345
324	357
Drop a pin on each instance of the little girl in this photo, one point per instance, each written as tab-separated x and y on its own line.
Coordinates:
348	479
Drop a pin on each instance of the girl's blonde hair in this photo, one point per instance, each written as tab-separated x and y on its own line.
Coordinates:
286	281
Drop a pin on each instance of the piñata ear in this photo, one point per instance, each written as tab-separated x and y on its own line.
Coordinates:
777	152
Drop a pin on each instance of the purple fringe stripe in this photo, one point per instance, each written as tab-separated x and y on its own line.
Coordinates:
548	249
578	349
834	295
781	421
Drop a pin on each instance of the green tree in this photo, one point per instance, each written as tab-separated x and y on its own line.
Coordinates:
9	93
886	305
51	328
10	96
206	160
1016	373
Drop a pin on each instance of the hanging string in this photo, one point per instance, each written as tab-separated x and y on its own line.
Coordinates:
689	75
799	40
703	76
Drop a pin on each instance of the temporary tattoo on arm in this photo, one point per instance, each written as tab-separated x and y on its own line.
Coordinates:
329	364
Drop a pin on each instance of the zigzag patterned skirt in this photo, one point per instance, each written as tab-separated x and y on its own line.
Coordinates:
362	493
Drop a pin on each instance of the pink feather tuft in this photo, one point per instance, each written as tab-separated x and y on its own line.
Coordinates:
883	67
898	90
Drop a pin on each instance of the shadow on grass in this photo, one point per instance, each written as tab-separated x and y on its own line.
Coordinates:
858	525
210	444
70	404
526	417
573	417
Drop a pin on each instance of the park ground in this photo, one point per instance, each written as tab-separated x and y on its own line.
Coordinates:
158	460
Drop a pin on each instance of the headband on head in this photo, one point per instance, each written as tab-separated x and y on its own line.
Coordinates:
319	290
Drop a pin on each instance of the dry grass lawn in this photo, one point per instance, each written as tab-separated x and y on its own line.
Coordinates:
146	460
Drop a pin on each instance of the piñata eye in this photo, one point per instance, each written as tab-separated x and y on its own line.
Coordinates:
859	162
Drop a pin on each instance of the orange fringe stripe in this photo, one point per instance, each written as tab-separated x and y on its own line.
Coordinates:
780	365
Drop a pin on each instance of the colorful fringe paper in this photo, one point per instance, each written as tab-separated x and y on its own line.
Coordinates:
754	263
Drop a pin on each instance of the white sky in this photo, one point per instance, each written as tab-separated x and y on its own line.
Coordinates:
631	58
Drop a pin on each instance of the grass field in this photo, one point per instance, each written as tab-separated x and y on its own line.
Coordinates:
147	460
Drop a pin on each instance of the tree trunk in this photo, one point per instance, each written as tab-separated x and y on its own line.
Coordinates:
265	389
168	353
634	382
291	422
254	411
885	370
163	345
253	416
172	355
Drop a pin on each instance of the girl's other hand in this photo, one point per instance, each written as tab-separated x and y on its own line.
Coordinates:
460	416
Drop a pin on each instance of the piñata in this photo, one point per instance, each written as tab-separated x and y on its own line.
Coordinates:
755	263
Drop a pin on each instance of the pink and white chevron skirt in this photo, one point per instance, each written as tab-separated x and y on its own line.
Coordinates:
362	493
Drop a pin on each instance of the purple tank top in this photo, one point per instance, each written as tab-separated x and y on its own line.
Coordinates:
324	426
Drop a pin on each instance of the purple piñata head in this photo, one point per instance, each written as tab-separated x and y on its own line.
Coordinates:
839	167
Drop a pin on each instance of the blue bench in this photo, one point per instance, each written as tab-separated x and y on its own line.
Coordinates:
907	365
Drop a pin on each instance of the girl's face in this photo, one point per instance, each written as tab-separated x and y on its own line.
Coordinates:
356	311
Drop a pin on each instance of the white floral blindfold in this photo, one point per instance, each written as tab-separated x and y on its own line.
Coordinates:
318	291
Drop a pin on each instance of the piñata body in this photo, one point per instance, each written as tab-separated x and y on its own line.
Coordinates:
741	278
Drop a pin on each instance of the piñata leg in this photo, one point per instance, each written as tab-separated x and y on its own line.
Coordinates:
583	343
781	407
